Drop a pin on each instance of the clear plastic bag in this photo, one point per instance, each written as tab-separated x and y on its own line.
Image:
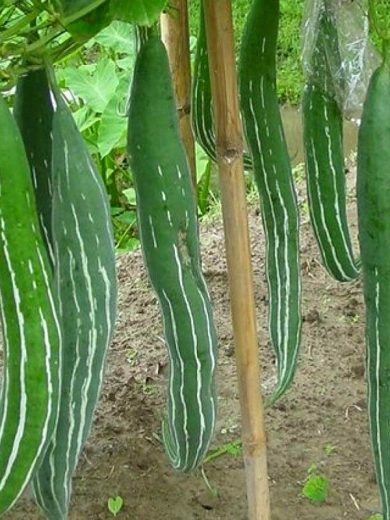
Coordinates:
337	50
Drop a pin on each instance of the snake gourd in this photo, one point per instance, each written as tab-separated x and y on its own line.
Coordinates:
273	175
30	322
168	230
373	196
85	281
325	168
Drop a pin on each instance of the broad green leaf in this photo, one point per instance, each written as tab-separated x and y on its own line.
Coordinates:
126	63
141	12
83	29
113	125
118	36
95	89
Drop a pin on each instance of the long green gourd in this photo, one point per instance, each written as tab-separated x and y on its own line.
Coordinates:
168	230
273	175
202	104
31	329
325	168
373	196
86	285
35	123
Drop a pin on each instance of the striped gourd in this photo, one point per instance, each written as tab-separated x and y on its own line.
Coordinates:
273	176
325	169
35	124
86	284
31	329
373	194
168	230
202	104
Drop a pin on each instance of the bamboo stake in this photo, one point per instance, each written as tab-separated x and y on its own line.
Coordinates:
229	134
176	37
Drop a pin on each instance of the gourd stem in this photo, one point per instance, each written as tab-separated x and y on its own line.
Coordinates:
229	137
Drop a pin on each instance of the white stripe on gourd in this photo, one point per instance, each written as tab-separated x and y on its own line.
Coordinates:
373	182
31	329
325	168
86	284
273	175
168	230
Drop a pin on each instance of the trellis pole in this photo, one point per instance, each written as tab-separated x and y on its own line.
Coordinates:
229	135
175	35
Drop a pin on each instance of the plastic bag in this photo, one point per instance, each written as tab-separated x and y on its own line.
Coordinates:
337	51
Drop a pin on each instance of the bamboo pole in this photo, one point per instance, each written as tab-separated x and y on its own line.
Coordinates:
218	15
176	37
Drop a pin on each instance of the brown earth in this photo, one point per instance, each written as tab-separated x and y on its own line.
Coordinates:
322	420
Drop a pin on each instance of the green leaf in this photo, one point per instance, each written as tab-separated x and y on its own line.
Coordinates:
84	118
115	504
118	36
94	89
113	125
83	29
316	488
74	9
140	12
129	193
129	218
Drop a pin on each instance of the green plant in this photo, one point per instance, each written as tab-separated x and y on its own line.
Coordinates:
115	505
325	167
232	448
85	278
273	175
373	179
169	238
288	55
375	516
316	487
30	324
99	92
329	448
299	173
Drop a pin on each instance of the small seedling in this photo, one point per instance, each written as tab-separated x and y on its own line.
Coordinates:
233	448
115	504
329	448
131	356
316	486
376	516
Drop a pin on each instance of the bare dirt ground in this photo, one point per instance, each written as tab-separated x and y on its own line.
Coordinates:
322	420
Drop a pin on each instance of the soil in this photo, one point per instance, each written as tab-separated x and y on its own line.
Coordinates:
322	420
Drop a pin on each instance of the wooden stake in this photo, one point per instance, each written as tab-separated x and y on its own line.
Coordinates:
176	37
218	15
